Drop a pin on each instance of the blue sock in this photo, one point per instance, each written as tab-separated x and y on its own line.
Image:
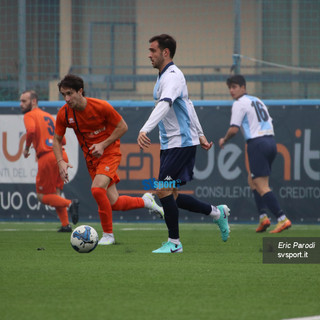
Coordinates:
271	201
171	216
259	202
189	203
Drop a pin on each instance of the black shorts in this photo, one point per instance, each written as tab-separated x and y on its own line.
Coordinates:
177	164
261	153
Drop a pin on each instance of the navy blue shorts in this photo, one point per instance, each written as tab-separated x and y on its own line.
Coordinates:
177	163
261	153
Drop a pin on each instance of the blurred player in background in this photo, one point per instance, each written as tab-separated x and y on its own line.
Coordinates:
98	127
251	114
40	129
180	133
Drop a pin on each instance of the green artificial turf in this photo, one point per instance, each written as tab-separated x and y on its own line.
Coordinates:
209	280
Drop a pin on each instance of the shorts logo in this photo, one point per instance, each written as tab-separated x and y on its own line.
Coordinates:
106	168
71	120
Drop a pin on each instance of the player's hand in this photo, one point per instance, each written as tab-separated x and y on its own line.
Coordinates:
204	143
143	140
221	143
26	153
63	170
97	150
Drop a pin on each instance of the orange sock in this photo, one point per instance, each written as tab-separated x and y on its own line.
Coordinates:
63	215
125	203
104	208
55	200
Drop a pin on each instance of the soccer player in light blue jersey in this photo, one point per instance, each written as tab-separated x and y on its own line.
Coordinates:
180	133
251	115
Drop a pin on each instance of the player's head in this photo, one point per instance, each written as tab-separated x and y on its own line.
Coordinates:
165	41
161	51
71	88
237	86
28	100
236	79
71	81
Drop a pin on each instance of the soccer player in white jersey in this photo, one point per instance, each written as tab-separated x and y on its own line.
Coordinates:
251	115
180	133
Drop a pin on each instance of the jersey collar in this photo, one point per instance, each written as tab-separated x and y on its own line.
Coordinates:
165	68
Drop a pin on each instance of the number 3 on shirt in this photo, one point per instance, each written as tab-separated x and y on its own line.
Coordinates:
50	130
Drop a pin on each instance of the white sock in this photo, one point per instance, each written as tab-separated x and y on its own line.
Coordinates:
175	241
108	235
215	213
282	218
263	215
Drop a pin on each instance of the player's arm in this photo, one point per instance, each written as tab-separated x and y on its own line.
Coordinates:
98	148
158	113
232	131
202	138
31	131
58	152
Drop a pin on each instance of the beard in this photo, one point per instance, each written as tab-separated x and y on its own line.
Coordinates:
25	110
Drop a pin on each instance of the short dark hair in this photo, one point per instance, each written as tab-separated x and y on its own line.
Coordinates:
236	79
72	81
33	94
166	41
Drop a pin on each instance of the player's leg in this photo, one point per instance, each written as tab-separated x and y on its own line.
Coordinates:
98	189
175	165
264	221
261	156
171	217
219	213
60	210
125	203
48	181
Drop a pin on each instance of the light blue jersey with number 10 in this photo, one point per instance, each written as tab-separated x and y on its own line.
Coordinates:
252	116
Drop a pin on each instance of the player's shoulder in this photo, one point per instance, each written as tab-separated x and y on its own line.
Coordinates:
63	109
174	71
244	100
97	103
251	98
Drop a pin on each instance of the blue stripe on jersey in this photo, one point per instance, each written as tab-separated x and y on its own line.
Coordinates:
265	125
155	90
246	128
163	136
184	122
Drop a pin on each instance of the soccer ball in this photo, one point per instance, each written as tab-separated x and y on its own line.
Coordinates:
84	239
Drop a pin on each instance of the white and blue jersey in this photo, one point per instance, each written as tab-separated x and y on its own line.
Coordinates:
252	116
180	126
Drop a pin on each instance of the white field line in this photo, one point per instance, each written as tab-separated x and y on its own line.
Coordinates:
305	318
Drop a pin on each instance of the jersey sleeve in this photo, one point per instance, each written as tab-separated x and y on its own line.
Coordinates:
61	124
171	88
237	114
111	115
30	128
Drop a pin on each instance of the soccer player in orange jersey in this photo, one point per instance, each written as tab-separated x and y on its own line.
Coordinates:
40	129
98	127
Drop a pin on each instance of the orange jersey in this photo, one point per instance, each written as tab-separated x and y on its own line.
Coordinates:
40	129
92	125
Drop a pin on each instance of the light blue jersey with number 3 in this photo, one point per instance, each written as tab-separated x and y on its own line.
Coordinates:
251	115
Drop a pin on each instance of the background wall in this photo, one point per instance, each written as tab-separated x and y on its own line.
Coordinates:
276	43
